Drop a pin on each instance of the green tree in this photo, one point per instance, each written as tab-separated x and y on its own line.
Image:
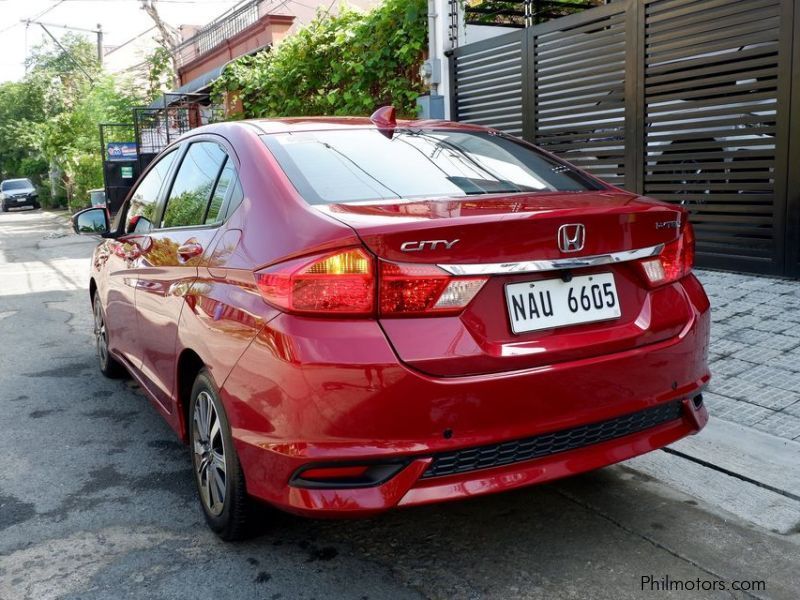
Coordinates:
51	118
345	64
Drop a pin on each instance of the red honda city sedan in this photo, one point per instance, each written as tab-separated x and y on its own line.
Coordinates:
345	315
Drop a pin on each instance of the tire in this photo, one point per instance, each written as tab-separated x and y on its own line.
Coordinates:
214	459
107	363
4	207
36	206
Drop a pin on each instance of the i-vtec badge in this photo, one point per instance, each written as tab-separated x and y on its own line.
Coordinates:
427	245
668	225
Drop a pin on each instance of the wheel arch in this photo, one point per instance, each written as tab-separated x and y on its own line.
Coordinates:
188	366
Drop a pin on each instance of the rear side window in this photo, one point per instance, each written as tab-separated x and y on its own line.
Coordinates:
144	200
191	195
355	165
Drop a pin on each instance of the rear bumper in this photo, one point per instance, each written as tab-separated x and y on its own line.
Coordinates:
312	391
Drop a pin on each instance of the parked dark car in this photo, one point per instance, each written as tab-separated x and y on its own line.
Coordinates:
343	316
15	193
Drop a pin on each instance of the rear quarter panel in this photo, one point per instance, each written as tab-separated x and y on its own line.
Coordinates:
224	310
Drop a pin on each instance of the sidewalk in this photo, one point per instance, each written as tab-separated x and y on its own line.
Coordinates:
745	460
755	351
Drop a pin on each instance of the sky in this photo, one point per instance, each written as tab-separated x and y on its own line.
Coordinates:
121	20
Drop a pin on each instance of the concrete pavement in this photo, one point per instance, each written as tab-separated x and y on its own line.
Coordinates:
97	499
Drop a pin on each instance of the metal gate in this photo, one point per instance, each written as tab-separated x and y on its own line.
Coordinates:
689	101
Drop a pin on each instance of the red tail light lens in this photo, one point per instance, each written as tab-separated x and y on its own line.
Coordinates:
410	289
343	283
340	282
675	261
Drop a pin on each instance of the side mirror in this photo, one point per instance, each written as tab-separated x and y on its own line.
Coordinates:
92	221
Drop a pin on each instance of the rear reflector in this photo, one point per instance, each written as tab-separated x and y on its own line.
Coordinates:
328	473
337	476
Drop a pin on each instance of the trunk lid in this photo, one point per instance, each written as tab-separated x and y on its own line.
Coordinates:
499	230
505	229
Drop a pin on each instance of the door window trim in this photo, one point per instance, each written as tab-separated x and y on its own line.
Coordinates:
123	212
184	146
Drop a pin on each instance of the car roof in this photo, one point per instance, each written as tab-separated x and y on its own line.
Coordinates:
322	123
18	179
292	124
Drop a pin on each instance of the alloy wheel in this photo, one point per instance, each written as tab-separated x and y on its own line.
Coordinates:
208	446
100	335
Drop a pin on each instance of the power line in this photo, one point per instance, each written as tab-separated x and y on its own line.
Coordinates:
126	42
159	1
44	12
68	53
47	10
9	28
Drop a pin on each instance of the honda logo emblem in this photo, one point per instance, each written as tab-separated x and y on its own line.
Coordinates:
571	237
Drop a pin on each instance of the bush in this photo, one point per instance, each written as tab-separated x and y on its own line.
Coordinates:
87	174
345	64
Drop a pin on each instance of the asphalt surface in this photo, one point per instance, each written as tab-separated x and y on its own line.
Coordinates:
97	499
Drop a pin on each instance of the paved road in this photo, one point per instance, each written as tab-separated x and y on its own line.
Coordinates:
96	497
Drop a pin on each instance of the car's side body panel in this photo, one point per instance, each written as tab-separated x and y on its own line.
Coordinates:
164	279
116	282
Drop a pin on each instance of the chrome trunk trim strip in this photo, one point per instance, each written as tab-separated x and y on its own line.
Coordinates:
557	264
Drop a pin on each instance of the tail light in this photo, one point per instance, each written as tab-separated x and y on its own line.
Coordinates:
675	261
340	282
409	289
344	283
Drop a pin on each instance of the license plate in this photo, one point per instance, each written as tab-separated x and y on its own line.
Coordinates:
534	305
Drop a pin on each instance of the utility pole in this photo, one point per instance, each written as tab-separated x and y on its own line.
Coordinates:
170	40
100	44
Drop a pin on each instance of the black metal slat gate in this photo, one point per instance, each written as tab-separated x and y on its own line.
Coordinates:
690	101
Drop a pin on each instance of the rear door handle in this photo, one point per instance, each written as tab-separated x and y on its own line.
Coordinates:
190	250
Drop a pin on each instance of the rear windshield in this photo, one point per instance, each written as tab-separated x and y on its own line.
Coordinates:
356	165
17	184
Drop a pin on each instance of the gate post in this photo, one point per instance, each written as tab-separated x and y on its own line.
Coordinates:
528	85
787	168
635	147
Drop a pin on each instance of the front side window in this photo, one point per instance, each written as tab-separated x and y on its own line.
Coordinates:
144	200
194	185
365	165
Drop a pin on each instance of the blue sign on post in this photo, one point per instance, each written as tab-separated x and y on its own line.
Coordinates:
121	151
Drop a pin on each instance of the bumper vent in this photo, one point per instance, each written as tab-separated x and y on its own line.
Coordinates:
495	455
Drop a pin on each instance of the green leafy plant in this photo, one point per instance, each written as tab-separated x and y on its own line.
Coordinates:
49	120
344	64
